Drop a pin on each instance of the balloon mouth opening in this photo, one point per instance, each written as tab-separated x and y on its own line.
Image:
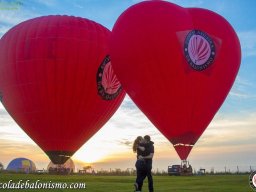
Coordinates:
59	157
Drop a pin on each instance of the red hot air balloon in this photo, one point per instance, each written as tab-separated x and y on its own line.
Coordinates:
57	82
177	64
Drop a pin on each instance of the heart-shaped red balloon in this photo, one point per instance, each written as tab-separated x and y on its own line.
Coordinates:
177	64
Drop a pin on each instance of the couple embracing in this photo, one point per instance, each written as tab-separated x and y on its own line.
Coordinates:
144	148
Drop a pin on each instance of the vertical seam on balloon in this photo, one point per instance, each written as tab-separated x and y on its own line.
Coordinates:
95	43
62	68
85	84
80	65
61	80
80	89
73	62
69	99
26	98
14	63
47	77
54	22
34	78
37	79
22	97
84	104
76	70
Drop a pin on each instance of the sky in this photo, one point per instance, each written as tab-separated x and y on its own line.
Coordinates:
230	139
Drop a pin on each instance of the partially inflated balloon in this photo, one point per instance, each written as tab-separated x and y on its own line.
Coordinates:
177	65
57	82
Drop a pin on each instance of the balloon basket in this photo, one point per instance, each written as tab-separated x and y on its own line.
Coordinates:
60	169
186	168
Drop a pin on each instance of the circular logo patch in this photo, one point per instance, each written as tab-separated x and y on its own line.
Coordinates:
107	83
199	50
252	180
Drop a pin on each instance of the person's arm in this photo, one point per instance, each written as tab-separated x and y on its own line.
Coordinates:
141	148
150	156
150	149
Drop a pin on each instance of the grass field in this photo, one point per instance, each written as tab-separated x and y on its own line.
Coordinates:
208	183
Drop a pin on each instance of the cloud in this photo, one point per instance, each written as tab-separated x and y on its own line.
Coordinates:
126	142
194	3
227	136
230	132
47	3
3	113
10	131
248	43
79	6
11	18
128	103
5	119
137	1
241	89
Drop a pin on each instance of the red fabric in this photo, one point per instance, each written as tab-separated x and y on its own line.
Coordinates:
48	70
148	56
183	151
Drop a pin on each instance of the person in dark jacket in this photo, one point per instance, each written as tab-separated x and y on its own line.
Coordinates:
145	152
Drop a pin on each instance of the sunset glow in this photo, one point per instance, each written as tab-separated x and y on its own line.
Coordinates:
229	140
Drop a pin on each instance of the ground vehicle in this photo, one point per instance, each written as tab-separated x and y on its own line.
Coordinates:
174	170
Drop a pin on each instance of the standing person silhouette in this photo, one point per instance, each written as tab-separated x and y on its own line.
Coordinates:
139	148
149	161
145	152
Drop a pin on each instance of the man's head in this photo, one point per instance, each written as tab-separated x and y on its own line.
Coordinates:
147	138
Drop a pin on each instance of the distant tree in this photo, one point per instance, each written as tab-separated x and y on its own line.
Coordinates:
87	168
212	171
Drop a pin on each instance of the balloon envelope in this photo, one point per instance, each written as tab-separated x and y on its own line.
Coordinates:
177	65
21	165
52	83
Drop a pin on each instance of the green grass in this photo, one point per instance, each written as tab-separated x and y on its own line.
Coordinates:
209	183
